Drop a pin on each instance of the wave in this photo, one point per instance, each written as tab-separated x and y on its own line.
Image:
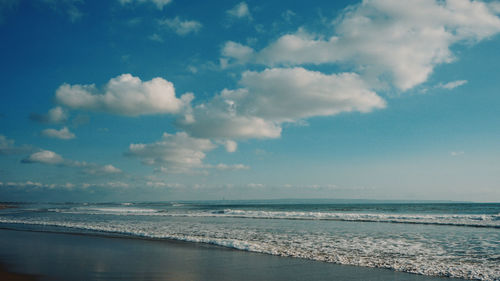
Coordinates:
464	220
476	220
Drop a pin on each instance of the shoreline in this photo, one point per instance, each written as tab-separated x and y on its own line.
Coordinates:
126	258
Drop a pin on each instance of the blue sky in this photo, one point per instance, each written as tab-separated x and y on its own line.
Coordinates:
171	100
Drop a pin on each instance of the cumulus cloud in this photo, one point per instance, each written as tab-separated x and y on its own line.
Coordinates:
451	85
404	39
240	11
175	153
274	96
124	95
181	27
63	133
159	3
44	157
55	115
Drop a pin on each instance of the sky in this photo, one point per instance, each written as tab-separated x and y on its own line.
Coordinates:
159	100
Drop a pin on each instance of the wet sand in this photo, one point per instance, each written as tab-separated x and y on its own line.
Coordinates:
56	256
9	276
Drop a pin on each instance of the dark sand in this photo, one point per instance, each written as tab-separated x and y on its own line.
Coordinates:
3	206
10	276
55	256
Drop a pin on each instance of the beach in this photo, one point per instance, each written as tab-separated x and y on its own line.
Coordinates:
57	256
251	240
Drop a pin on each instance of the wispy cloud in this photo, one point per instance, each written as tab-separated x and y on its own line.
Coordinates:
6	6
156	37
48	157
159	3
7	146
180	26
226	167
457	153
451	85
69	7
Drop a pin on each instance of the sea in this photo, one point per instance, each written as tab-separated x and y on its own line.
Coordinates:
459	240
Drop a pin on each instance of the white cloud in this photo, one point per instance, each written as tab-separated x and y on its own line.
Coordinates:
451	85
159	3
181	27
44	157
274	96
124	95
405	39
63	133
240	11
175	153
55	115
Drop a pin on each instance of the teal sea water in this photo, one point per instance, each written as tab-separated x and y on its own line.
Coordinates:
438	239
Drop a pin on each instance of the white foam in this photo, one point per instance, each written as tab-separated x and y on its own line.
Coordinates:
480	220
106	210
472	220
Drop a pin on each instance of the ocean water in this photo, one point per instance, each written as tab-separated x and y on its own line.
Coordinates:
439	239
